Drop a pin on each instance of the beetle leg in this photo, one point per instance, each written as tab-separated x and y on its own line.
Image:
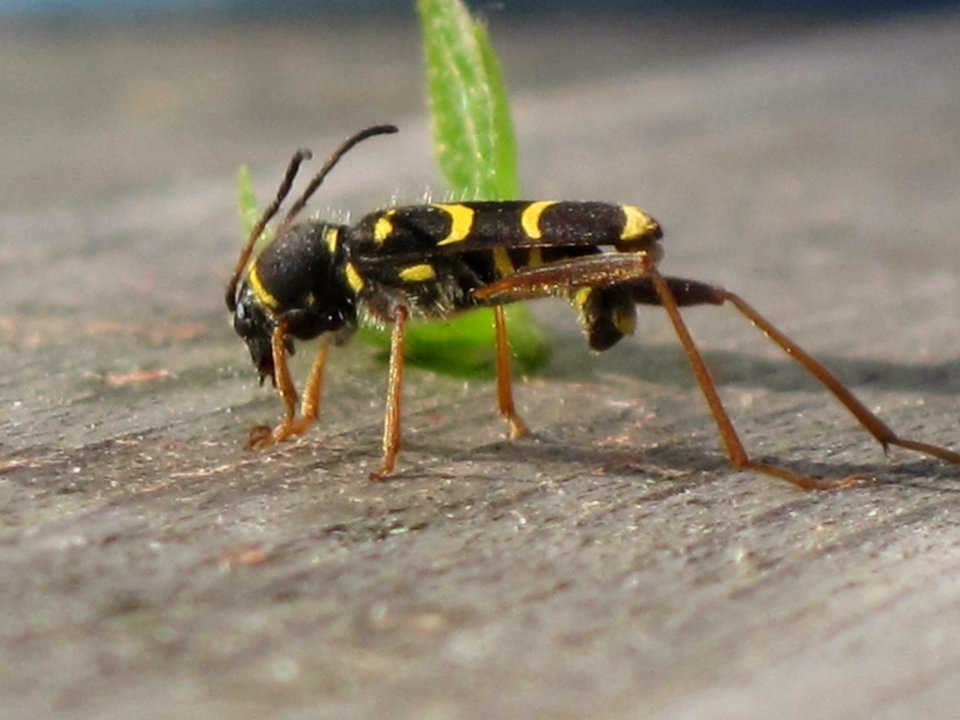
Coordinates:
516	426
391	422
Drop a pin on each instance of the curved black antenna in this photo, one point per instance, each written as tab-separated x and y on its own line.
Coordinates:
297	206
298	157
329	165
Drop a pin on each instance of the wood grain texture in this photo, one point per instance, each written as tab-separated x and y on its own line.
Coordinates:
610	566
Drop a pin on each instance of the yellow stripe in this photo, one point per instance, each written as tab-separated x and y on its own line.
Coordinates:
530	219
461	222
581	297
263	295
535	258
637	224
502	262
625	318
331	236
383	227
353	278
418	273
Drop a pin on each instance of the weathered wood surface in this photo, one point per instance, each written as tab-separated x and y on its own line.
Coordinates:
610	566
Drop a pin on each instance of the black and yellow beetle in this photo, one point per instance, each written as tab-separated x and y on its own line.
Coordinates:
316	279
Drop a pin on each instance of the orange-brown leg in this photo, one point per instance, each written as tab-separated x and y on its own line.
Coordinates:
391	419
874	425
638	271
735	450
262	435
310	403
291	426
516	426
689	292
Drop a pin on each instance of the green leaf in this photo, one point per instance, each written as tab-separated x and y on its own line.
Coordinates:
249	209
246	201
472	130
466	346
476	152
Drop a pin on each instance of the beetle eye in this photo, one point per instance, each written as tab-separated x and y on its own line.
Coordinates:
241	320
246	316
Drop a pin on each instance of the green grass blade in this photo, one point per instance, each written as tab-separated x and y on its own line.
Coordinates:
506	180
248	207
246	201
476	152
472	131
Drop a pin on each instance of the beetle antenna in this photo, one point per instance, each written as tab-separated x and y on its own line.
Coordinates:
329	165
298	157
288	177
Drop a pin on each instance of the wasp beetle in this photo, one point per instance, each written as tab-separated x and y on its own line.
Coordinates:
319	279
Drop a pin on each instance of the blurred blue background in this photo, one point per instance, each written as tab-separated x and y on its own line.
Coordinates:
53	10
